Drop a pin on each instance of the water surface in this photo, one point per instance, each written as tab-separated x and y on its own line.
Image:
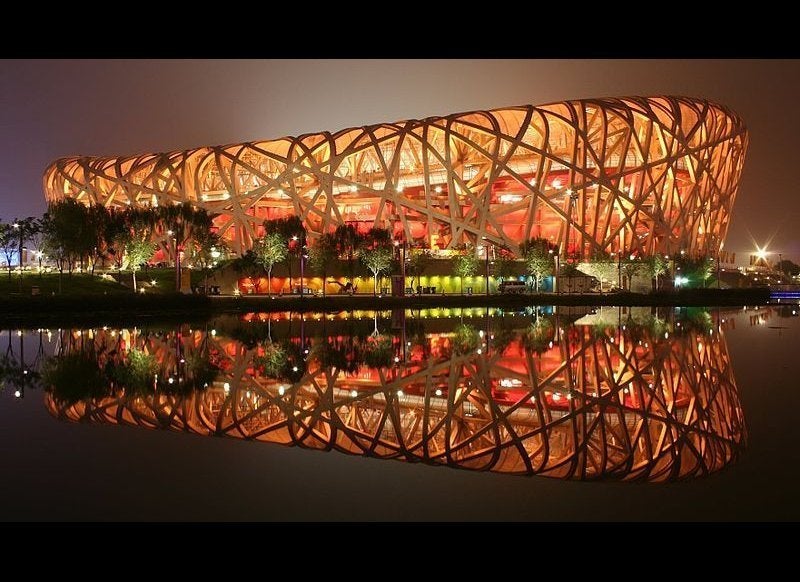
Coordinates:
574	413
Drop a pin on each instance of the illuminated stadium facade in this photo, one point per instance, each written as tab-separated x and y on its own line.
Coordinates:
632	175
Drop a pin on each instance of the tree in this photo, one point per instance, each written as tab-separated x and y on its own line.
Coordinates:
376	253
465	265
36	239
788	268
630	268
26	228
377	351
9	244
69	233
347	240
116	234
655	266
249	265
138	251
322	255
99	216
378	260
268	250
185	222
418	262
465	339
696	270
538	335
539	257
504	264
53	245
140	224
601	266
293	232
207	249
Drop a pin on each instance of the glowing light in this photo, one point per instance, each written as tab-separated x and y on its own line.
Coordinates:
17	393
556	183
400	393
438	392
213	332
294	368
438	189
153	283
509	198
556	397
226	387
353	393
281	390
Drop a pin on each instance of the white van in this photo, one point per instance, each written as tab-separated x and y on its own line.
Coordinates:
513	286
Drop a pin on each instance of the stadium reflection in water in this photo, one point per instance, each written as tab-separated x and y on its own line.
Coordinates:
606	394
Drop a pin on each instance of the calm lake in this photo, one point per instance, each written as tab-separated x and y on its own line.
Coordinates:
548	413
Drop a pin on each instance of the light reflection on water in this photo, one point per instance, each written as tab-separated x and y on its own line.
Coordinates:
631	394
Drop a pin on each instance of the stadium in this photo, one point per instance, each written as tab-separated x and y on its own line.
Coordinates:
612	175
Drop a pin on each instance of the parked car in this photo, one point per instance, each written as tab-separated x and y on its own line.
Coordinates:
512	287
306	291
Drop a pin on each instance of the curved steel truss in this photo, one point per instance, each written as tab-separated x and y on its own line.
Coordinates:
595	403
633	175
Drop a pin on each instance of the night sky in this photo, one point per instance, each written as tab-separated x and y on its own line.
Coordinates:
50	109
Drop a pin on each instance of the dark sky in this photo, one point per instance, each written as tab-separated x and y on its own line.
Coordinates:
50	109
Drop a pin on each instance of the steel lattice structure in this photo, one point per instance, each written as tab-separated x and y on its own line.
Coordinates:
636	175
620	404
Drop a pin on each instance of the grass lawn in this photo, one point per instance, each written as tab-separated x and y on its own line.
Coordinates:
79	284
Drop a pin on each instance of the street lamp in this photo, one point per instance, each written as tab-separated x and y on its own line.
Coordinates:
19	254
402	260
302	257
485	248
557	260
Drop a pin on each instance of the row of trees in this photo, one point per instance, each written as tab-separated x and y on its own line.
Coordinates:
284	240
540	254
74	235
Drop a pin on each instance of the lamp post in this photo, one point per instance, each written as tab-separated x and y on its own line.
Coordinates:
557	259
171	235
301	241
16	225
486	243
402	259
486	249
